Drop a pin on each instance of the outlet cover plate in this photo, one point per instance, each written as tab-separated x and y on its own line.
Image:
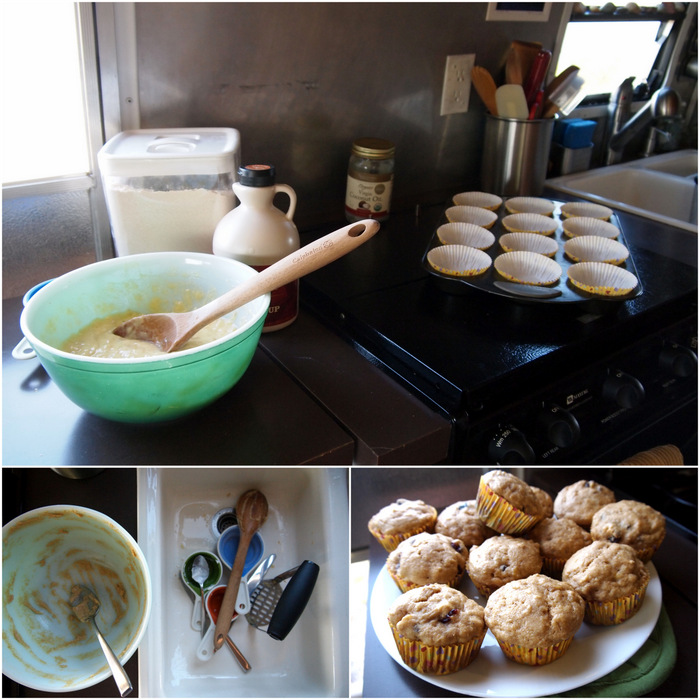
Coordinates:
457	84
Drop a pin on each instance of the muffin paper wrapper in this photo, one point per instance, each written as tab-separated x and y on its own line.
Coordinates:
391	542
406	585
438	660
616	611
500	515
536	656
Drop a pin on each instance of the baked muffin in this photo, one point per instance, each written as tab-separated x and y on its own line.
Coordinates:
611	579
507	504
544	500
632	523
437	629
400	520
534	619
581	500
500	560
558	538
427	558
459	521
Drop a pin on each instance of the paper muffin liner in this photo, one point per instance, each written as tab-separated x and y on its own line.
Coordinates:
597	211
406	585
462	233
553	566
535	656
646	553
530	223
530	205
471	215
589	226
483	200
500	515
437	660
459	260
602	279
616	611
391	542
531	242
596	249
528	268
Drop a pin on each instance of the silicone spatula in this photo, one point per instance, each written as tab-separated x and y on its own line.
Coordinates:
511	102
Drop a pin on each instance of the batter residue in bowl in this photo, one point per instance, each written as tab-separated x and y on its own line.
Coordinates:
97	339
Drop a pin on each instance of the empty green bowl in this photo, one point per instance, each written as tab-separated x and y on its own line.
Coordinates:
153	389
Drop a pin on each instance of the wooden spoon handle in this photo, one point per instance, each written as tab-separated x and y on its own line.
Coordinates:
228	604
307	259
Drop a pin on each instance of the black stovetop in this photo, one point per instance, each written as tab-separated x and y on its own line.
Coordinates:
458	349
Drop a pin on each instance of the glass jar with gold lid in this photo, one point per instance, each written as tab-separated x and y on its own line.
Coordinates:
370	180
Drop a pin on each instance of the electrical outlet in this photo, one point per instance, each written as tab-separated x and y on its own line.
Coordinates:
457	84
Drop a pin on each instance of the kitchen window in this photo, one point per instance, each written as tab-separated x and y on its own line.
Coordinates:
608	48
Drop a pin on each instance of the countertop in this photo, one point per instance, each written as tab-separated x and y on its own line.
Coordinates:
307	398
676	563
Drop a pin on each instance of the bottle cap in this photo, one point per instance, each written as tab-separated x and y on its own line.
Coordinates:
373	148
260	175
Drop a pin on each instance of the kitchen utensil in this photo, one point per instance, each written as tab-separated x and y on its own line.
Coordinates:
215	571
259	574
524	53
204	650
251	510
279	609
485	86
511	102
556	90
535	78
526	290
227	548
85	605
171	330
45	551
200	573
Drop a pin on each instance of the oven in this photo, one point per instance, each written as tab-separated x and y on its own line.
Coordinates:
523	382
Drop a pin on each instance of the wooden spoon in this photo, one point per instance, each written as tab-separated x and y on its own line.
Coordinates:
251	512
485	86
169	331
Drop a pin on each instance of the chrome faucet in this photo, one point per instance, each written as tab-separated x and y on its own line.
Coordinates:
663	103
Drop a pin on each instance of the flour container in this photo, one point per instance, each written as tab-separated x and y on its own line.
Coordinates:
167	189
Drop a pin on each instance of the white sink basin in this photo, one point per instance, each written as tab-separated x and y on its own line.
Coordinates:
661	188
308	519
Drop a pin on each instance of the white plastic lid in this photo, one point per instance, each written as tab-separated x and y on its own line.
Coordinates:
170	152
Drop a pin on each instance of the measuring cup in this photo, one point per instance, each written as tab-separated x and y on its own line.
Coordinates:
215	571
205	650
227	546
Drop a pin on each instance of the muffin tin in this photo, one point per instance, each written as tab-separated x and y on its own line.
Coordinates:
561	291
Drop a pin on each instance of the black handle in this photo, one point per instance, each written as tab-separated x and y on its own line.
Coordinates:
293	600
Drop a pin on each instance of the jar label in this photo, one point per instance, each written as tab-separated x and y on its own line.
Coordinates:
284	302
368	200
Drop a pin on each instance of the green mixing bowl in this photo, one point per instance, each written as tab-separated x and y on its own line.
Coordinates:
153	389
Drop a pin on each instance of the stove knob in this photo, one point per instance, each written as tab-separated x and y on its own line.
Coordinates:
623	389
678	361
560	426
510	446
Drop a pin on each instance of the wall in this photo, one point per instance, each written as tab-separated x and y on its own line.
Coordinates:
300	81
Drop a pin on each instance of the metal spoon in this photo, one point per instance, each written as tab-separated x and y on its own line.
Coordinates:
169	331
200	573
85	605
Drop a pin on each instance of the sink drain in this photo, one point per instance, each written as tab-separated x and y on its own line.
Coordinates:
223	520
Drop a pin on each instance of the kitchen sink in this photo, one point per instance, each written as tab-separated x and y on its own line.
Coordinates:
662	188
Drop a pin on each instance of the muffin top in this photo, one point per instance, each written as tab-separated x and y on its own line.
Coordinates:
514	490
436	614
559	538
537	611
459	521
428	558
499	560
403	516
629	522
581	500
544	501
604	571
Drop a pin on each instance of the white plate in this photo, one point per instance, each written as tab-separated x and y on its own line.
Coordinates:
594	652
308	519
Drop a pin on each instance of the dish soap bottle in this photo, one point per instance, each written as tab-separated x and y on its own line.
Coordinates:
258	234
